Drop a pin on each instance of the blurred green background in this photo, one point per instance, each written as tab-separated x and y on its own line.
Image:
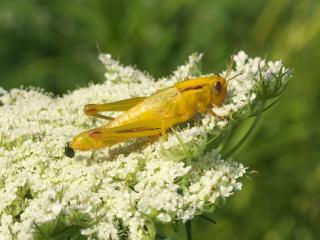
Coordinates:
52	44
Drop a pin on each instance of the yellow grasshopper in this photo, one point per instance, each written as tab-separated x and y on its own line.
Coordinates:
153	115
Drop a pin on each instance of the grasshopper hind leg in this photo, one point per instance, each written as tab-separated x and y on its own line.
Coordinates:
94	109
119	106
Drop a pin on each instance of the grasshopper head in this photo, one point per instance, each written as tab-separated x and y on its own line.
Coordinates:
219	90
219	84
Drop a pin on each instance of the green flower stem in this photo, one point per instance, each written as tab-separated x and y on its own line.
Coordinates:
214	142
208	219
266	108
189	230
250	130
228	137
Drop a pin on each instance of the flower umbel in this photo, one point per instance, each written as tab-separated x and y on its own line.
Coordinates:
125	191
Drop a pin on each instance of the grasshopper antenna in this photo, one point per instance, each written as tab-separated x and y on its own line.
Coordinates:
229	68
233	77
230	64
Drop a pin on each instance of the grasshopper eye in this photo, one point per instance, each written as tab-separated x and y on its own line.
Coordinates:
218	86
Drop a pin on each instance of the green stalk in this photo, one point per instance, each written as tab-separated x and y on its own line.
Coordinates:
208	219
250	130
189	230
228	138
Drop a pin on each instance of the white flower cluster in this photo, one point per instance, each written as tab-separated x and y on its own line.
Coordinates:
122	191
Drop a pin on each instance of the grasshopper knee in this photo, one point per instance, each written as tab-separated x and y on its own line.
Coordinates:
90	109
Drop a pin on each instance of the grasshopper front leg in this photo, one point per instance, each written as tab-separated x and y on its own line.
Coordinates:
163	131
212	113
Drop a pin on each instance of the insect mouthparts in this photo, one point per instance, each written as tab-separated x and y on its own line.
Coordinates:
68	151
